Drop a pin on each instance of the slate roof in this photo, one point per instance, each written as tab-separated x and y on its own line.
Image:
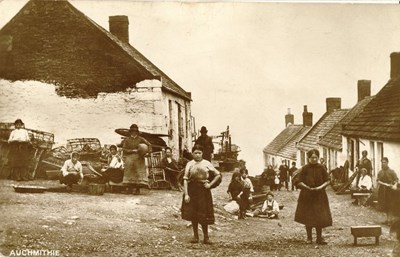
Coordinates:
282	139
289	150
54	42
324	124
333	139
380	119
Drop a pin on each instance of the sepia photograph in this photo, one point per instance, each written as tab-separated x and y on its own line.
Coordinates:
199	128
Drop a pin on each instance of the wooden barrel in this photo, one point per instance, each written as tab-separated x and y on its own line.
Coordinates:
96	189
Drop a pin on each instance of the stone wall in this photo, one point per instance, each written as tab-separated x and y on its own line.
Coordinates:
38	105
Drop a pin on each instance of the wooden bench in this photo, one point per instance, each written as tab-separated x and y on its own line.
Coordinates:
366	231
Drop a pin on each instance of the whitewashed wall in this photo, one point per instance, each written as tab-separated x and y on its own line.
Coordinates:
38	105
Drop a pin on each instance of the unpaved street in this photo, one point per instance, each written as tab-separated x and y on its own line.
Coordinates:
77	224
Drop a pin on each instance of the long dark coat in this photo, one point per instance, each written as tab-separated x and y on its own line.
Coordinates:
313	206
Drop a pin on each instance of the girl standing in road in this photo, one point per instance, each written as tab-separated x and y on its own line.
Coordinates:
197	204
313	206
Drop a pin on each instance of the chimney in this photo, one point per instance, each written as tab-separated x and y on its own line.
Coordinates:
333	103
307	117
289	118
394	65
363	89
119	27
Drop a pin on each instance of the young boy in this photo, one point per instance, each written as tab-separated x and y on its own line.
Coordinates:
270	207
71	171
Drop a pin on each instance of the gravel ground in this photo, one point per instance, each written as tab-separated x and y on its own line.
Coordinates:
76	224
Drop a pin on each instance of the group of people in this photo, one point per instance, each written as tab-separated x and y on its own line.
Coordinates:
200	177
281	177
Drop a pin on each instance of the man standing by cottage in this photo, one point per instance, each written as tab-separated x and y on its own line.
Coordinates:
206	142
364	162
283	172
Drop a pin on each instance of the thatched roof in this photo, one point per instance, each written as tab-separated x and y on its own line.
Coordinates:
53	42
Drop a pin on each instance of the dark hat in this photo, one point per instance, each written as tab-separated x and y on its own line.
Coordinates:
18	121
203	129
134	127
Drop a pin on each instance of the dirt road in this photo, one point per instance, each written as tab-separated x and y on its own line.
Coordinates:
74	224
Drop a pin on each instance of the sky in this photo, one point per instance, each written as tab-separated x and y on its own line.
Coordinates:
246	63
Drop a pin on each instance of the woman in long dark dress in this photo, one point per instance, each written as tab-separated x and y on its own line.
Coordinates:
387	180
135	169
18	156
313	206
197	203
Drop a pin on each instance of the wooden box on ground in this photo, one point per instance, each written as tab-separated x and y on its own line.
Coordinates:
366	231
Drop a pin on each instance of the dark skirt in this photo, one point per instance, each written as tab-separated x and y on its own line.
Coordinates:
114	175
387	199
200	208
18	156
313	209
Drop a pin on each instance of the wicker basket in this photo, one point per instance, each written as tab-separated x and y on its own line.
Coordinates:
96	189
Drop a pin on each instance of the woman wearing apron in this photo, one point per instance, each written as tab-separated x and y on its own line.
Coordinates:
135	170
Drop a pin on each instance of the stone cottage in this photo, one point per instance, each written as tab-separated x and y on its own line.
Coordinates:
283	146
377	128
63	73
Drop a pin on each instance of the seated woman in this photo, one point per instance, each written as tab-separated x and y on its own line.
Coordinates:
171	169
364	186
270	208
235	190
115	170
71	171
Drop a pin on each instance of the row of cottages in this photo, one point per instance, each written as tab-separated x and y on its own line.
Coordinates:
63	73
377	128
373	124
283	146
329	119
332	142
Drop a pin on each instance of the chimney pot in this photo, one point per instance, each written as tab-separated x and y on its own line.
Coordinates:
289	118
394	65
363	89
119	27
333	103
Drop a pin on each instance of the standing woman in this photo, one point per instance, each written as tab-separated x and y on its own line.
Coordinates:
387	180
18	157
135	170
197	204
313	206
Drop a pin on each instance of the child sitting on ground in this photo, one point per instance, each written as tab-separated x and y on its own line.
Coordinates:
270	208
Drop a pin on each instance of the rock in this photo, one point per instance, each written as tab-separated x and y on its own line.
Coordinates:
74	218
